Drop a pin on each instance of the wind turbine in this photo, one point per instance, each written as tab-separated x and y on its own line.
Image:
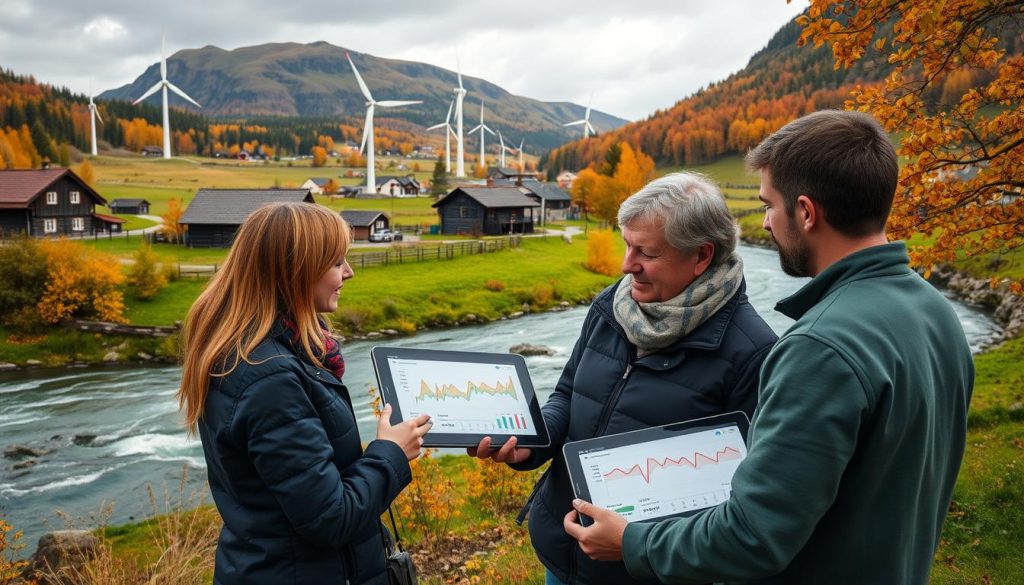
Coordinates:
502	151
447	138
164	85
93	115
371	178
482	127
585	121
460	94
522	168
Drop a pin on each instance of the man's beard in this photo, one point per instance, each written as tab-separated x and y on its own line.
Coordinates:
796	259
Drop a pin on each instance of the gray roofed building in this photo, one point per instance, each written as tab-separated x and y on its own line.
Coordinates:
361	218
214	215
550	192
486	211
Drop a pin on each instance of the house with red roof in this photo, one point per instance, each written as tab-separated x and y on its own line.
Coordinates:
50	203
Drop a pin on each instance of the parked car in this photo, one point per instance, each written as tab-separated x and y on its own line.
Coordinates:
385	236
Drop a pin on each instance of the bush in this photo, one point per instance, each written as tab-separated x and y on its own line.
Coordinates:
22	278
143	276
541	294
81	282
494	285
351	318
601	256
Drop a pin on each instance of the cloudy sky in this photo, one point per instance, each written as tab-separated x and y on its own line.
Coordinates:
633	56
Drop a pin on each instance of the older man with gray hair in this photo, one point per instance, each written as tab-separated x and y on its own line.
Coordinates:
675	339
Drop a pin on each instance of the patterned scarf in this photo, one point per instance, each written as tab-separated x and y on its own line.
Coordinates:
332	359
654	326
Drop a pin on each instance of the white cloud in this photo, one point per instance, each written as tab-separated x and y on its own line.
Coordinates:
635	57
104	28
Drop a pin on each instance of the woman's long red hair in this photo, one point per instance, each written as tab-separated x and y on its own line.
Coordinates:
279	253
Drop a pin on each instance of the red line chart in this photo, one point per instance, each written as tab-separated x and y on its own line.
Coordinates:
644	470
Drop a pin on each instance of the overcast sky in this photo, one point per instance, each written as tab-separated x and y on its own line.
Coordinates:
633	56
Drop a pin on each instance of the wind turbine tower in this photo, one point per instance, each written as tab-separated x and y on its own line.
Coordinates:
460	94
447	138
93	115
482	128
164	85
587	128
371	177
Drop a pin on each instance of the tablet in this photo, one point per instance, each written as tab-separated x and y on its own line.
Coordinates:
660	472
469	395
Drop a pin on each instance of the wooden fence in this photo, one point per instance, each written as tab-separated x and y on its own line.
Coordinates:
396	254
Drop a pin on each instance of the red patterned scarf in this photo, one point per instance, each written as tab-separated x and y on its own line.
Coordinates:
331	359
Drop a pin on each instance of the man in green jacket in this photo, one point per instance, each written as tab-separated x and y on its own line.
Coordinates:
862	416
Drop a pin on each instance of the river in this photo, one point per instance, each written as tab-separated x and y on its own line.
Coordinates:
138	438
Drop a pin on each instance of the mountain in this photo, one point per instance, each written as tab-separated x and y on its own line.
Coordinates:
315	80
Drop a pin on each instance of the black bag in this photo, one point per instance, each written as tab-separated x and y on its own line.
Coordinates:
400	569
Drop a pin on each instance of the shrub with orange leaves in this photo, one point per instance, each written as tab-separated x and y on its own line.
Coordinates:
81	282
601	256
10	544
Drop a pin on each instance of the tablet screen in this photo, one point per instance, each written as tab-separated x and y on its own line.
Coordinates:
462	397
659	472
468	395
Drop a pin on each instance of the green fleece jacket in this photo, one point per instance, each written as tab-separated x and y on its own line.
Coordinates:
854	448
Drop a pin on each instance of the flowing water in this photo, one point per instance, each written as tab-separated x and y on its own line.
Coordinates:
110	431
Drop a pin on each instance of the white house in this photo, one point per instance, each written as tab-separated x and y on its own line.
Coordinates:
315	185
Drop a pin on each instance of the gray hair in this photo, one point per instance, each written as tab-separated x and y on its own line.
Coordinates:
693	211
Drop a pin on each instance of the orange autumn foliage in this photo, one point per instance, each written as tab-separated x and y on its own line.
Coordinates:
81	282
965	150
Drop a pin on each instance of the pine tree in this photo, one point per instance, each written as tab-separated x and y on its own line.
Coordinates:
439	180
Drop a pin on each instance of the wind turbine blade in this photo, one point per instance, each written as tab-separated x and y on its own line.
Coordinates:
151	91
489	130
576	123
592	131
478	126
501	140
521	143
163	59
395	104
178	91
458	71
97	112
366	126
436	126
359	78
448	118
453	132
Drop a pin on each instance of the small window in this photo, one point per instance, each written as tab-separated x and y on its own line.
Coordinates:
77	224
51	199
379	225
463	212
76	197
50	225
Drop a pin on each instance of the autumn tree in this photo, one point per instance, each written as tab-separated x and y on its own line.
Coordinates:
962	181
633	170
330	187
584	188
144	277
319	156
22	278
172	227
80	282
87	173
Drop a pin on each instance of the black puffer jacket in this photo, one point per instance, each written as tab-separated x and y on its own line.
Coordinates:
301	500
605	389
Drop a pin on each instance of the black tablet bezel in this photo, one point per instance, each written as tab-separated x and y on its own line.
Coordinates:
572	451
380	354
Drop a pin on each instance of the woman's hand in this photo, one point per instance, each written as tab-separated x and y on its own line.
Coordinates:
408	434
506	454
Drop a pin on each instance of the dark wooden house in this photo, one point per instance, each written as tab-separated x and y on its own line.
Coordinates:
213	216
48	202
151	151
364	223
489	211
129	206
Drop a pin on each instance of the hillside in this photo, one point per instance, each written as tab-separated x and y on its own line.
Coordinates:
780	83
315	80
